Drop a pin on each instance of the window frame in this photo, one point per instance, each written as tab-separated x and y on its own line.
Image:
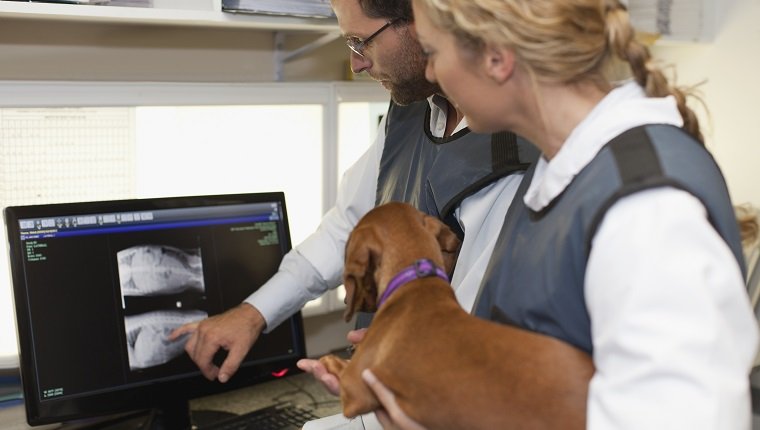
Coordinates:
47	94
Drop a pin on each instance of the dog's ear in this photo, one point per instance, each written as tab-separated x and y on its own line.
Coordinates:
362	258
447	240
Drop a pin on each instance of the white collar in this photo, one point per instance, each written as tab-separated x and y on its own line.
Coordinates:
624	108
438	111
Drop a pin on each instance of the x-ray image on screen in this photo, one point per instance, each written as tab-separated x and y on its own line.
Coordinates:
146	336
163	288
149	270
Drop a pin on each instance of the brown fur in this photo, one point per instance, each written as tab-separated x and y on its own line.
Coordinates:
448	369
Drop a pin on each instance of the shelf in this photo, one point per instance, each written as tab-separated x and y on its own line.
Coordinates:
205	13
99	31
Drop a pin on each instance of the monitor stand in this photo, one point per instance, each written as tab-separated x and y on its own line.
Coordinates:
123	421
177	415
169	416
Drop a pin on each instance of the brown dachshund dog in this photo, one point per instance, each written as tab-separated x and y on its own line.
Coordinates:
448	369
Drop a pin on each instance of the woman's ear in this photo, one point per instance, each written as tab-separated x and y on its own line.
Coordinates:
499	63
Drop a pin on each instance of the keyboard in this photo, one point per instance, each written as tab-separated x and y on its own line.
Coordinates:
277	417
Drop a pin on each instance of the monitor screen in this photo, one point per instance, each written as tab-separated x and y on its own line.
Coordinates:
99	285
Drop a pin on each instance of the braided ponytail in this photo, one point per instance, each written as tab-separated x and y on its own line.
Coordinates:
623	43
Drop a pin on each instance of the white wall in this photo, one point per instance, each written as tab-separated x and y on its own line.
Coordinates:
730	65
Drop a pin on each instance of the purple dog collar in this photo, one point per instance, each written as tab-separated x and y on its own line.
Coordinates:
422	268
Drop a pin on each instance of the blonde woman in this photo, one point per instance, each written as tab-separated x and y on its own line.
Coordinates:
624	235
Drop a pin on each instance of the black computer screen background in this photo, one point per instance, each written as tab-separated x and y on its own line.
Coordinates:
77	309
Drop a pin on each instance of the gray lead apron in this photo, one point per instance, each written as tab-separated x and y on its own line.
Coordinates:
536	275
436	174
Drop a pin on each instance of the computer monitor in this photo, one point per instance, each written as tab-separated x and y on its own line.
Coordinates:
98	286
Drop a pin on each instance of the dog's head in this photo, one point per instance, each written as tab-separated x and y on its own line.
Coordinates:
387	239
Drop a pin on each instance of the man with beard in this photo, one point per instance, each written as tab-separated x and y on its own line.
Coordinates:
424	155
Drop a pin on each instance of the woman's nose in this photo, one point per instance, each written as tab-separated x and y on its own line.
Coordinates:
429	73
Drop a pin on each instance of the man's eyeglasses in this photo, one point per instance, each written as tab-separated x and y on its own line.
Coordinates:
358	45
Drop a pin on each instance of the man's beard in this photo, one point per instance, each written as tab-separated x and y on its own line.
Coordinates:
413	90
409	84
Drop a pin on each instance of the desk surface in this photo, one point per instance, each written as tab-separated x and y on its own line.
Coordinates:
299	389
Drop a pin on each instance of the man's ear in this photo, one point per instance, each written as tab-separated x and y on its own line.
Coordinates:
499	63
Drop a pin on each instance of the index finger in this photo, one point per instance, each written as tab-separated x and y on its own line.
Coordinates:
182	330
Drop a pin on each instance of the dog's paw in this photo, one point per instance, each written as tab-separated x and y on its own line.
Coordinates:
333	364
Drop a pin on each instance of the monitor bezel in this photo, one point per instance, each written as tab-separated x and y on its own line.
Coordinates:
168	395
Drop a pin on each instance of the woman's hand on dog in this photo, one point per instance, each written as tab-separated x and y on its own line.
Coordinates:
391	416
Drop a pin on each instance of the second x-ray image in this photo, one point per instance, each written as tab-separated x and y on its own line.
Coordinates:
154	273
148	270
147	334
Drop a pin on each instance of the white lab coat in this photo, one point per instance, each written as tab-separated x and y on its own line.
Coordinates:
316	265
657	272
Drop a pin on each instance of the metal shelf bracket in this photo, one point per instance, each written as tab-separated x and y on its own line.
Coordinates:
281	56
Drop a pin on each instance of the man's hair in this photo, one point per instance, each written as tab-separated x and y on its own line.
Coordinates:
388	9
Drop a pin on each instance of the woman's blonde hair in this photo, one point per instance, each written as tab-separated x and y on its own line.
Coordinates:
749	224
560	41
